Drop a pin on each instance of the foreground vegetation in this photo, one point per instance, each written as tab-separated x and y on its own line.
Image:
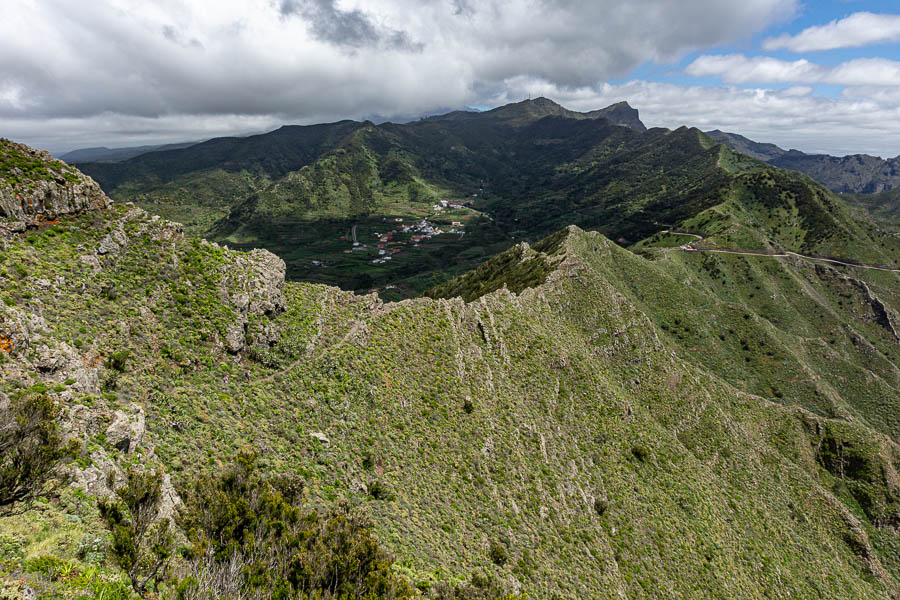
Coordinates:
570	420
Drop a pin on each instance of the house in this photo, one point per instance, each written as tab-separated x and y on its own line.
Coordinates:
379	245
457	224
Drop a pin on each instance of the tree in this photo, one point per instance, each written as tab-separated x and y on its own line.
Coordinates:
31	449
142	544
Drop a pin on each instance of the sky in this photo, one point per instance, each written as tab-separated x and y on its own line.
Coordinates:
819	76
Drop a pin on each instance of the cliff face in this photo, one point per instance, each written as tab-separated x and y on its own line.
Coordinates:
35	188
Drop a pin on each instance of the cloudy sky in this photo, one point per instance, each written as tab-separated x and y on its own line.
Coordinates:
821	75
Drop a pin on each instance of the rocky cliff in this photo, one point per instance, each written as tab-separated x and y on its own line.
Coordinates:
36	189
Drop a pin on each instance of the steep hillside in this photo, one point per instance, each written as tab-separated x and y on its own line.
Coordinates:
587	435
884	207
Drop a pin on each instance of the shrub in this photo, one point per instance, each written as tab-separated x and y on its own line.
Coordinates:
118	360
640	452
249	538
497	553
31	449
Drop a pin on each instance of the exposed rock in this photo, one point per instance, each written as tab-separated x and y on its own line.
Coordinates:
126	430
234	338
58	191
108	246
49	361
90	259
881	314
320	436
18	329
169	500
254	287
100	478
358	487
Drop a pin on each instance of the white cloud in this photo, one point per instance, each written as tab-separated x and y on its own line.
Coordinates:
105	61
859	29
792	118
737	68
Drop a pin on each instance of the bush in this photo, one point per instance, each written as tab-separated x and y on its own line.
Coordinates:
249	540
498	554
118	360
31	449
640	452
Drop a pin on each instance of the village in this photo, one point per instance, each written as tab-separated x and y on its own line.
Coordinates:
410	235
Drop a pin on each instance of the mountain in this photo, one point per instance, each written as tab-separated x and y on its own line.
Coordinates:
884	207
856	173
759	151
528	111
104	154
517	172
571	419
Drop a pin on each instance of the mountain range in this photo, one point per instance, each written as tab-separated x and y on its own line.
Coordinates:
711	411
854	173
517	172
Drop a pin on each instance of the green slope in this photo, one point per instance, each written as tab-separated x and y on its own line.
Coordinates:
593	423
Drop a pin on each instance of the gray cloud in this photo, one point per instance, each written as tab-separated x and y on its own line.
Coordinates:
343	27
250	64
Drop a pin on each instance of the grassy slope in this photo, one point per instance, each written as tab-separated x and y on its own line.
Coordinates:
511	419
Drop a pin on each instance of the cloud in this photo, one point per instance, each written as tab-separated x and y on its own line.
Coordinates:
343	27
737	68
305	61
858	121
859	29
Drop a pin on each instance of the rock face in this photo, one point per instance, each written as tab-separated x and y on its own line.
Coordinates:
126	431
35	188
255	289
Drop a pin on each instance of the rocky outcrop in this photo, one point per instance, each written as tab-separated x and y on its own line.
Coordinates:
126	430
254	287
35	188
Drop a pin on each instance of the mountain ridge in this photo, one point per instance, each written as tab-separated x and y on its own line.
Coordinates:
588	421
853	173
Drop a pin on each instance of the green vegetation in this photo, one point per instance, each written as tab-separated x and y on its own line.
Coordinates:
248	525
31	448
17	167
572	419
521	171
141	543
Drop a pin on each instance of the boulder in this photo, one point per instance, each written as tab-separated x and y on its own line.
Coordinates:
320	436
126	431
234	338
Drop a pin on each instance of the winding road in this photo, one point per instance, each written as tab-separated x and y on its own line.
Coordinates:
784	254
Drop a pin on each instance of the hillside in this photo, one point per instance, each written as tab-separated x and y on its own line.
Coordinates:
855	174
570	420
426	201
